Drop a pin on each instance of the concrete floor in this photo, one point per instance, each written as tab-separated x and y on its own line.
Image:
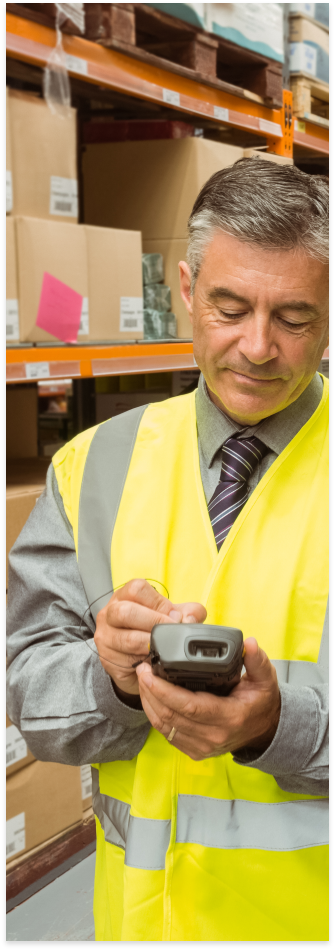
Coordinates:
60	911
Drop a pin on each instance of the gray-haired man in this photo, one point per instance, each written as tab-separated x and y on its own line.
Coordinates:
231	843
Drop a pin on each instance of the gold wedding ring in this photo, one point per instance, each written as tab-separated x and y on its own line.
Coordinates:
171	734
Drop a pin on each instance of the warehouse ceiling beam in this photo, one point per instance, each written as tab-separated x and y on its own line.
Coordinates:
31	42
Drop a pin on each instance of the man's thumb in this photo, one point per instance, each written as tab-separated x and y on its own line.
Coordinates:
256	662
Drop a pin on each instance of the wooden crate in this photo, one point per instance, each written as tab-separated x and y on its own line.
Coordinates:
310	97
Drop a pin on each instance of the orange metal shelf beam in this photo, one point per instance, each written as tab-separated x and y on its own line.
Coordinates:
28	363
93	63
311	136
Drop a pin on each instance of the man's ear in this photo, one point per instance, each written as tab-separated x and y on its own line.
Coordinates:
185	287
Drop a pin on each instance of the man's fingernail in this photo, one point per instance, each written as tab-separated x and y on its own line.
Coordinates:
175	615
189	619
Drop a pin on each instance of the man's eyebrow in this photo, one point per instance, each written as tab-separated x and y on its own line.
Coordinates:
218	292
300	306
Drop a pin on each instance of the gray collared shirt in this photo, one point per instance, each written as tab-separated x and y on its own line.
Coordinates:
59	695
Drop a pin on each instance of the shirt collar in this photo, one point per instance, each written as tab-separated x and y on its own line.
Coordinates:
215	427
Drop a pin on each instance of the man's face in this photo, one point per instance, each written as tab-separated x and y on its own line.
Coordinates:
260	324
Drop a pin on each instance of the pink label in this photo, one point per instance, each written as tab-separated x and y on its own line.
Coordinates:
59	309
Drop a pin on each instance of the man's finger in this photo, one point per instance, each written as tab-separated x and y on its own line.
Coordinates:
197	707
141	592
257	664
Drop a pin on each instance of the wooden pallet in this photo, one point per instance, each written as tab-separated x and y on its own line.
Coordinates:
30	872
156	38
310	97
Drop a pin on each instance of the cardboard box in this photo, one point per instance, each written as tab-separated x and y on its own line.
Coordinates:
173	252
57	249
43	799
12	293
86	786
44	159
25	484
114	284
317	11
267	156
309	48
150	186
21	421
9	174
255	26
17	752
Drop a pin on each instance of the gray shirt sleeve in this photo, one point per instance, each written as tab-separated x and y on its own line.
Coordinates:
58	693
298	757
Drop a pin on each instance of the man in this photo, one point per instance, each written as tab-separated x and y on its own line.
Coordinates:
211	811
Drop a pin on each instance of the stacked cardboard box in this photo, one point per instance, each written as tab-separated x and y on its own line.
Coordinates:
43	799
309	60
151	187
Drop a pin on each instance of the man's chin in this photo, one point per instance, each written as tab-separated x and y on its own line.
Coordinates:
254	404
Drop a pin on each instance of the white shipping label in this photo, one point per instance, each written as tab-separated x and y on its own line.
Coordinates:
84	326
131	314
9	191
64	196
272	127
86	781
172	97
76	65
222	114
12	320
15	835
37	370
16	747
303	58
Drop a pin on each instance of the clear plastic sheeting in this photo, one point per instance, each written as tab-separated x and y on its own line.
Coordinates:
74	12
158	325
157	297
153	268
56	83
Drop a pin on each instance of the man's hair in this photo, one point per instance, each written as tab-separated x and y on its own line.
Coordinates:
261	202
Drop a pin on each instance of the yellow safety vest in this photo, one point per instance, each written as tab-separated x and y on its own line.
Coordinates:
208	850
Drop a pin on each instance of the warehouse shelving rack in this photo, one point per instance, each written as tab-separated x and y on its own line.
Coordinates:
90	62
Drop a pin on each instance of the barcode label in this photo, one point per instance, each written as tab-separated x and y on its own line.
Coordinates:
15	835
84	327
131	314
86	781
9	191
172	97
16	747
76	65
272	127
222	114
64	196
37	370
12	319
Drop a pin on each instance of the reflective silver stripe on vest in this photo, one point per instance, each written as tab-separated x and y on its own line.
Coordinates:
282	826
104	476
144	840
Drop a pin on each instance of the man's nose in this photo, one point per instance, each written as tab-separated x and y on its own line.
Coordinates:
257	341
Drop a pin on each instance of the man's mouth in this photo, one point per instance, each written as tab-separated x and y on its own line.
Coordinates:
246	378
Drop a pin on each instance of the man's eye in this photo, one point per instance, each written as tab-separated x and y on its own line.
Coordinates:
232	313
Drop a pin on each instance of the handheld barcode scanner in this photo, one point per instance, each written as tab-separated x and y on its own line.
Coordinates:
199	657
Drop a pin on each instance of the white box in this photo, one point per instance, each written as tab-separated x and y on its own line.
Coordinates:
255	26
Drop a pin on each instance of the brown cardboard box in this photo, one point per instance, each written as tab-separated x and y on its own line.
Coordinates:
17	752
25	484
21	421
12	293
173	252
304	30
48	247
150	186
113	404
115	284
9	174
268	156
42	799
44	161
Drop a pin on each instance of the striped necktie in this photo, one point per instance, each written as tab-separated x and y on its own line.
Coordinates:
239	459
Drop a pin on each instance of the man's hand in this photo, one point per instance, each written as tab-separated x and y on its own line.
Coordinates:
123	629
209	725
